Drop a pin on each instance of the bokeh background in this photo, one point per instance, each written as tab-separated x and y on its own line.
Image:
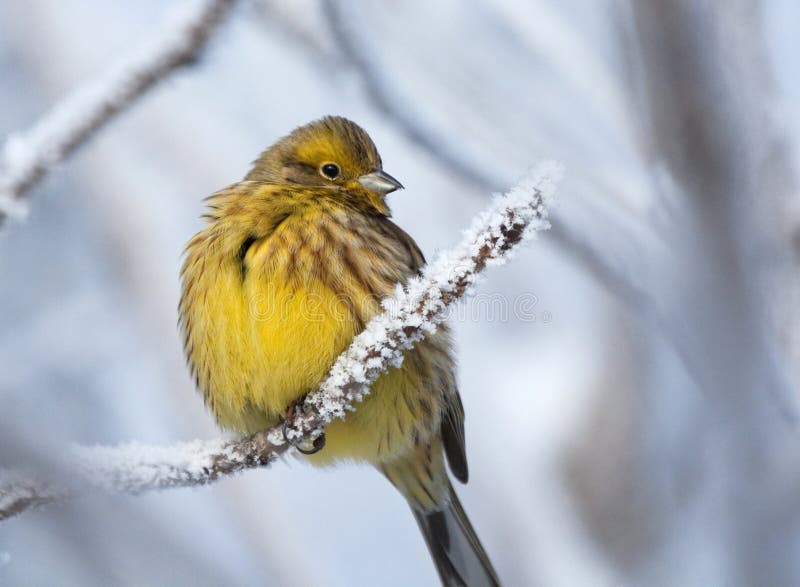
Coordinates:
630	380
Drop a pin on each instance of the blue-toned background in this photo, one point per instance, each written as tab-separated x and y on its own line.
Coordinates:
604	447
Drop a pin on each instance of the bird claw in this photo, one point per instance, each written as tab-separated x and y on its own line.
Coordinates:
318	443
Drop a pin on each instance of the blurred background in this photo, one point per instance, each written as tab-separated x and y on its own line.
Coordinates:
630	380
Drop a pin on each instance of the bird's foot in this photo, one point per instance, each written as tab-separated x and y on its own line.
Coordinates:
317	445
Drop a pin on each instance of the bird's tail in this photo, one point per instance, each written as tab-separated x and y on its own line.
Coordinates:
454	546
457	553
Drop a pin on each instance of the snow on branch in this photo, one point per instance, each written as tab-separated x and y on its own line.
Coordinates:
27	156
416	309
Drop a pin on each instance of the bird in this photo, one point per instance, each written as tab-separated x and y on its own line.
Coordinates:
292	263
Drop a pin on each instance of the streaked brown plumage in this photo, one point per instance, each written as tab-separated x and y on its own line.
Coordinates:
293	263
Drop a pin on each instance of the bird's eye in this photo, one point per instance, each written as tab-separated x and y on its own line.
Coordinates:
330	170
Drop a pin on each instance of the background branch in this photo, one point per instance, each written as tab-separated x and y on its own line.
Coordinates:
26	157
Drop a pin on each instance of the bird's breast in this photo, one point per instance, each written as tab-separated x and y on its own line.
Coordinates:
265	324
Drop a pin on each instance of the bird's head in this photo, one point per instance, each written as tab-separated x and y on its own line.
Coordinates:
332	152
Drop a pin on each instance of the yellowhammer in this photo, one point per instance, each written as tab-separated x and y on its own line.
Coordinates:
293	263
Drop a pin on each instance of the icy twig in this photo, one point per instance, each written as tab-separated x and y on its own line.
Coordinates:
27	156
416	309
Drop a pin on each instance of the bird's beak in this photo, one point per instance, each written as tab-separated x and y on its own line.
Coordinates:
380	182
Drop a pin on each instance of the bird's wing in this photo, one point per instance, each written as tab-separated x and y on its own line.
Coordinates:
453	436
415	258
452	427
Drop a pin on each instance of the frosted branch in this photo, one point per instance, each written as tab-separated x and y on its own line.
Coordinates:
27	156
415	310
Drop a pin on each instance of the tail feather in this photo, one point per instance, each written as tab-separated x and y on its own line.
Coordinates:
458	554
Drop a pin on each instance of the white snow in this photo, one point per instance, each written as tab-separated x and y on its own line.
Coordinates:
135	467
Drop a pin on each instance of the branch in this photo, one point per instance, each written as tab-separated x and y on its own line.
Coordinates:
26	157
414	311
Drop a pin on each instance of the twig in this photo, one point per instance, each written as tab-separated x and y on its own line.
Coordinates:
26	157
416	309
295	25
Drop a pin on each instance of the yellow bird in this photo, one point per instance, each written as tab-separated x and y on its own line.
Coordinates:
294	261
